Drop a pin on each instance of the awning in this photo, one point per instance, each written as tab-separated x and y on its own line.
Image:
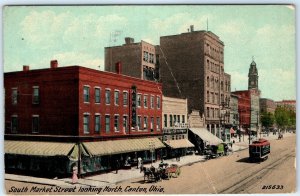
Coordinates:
122	146
232	130
206	136
182	143
38	148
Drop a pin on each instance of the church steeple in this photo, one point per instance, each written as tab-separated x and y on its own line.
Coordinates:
253	76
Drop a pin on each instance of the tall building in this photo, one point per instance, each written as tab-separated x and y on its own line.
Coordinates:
192	67
138	59
51	115
291	104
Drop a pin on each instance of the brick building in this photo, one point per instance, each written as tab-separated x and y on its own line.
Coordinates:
138	59
291	104
267	105
192	67
248	107
98	116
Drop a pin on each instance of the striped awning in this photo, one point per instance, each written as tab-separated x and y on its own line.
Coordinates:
38	148
122	146
182	143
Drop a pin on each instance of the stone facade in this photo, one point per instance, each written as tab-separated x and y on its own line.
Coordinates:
234	111
192	67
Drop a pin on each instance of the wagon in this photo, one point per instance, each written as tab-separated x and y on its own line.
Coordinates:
172	171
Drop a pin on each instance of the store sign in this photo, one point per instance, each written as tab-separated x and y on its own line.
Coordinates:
133	107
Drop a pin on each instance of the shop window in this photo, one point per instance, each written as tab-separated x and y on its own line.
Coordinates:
171	120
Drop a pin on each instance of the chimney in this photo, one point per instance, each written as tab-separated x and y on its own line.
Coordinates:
118	67
192	28
53	64
25	67
129	40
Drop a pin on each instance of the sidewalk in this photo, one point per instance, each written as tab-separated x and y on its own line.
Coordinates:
112	178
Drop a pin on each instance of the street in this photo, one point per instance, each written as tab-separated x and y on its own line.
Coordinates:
229	174
234	174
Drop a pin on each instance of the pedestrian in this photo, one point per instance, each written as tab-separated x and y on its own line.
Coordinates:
74	176
117	165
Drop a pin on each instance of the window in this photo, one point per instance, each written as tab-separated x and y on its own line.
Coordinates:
97	123
107	123
116	125
107	96
178	118
145	122
125	98
213	97
97	95
35	124
139	100
152	123
125	124
152	101
14	124
139	122
183	118
207	96
35	95
86	94
171	120
165	120
158	102
14	96
174	116
145	101
207	112
116	97
86	123
145	58
207	81
157	123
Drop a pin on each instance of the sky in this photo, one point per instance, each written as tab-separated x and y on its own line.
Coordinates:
77	35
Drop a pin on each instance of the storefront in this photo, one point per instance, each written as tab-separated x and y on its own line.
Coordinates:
179	148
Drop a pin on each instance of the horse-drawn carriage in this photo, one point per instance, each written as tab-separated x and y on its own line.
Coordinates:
164	171
214	151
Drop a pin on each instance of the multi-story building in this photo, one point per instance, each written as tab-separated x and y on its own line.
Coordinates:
234	111
98	116
175	126
267	105
291	104
138	59
192	67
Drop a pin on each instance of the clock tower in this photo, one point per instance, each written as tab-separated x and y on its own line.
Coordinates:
253	76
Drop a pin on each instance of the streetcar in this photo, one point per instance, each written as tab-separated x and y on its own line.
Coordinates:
259	150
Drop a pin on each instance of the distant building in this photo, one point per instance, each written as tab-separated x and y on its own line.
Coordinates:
51	115
234	111
138	59
267	105
192	67
175	126
291	104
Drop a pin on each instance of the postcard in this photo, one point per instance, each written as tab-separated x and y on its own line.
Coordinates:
149	99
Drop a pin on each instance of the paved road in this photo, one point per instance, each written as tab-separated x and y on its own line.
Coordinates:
230	174
234	174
